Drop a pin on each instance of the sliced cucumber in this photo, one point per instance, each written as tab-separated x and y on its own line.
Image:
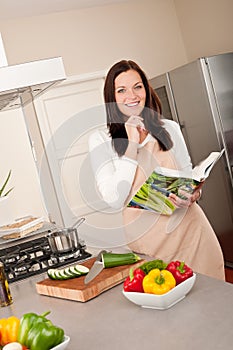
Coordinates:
73	270
67	272
51	273
57	275
83	270
61	275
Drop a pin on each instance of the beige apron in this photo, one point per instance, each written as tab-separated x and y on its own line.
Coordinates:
186	235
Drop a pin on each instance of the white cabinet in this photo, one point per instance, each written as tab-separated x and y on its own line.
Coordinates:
59	123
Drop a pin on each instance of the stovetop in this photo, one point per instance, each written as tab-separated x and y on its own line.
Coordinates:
24	259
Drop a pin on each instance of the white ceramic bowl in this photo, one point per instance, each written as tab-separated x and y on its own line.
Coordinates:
164	301
62	345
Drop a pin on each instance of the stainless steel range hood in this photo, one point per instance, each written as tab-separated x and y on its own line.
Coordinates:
21	83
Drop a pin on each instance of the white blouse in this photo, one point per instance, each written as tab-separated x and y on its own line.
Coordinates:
114	175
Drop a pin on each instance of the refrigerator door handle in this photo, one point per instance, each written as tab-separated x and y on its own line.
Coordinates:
185	134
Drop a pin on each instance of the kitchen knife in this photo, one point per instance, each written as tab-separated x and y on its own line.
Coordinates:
97	267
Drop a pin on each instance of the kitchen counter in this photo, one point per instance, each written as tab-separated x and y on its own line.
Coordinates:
202	320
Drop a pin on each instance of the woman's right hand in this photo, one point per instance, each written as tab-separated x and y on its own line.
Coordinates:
133	126
188	198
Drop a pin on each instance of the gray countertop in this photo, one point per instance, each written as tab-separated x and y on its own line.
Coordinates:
202	320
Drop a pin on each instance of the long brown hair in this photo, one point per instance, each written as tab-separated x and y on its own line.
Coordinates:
151	113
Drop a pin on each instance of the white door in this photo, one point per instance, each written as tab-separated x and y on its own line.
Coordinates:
66	115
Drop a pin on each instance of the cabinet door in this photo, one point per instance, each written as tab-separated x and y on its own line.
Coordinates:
66	115
59	125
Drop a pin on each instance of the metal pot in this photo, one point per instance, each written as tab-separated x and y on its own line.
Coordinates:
64	240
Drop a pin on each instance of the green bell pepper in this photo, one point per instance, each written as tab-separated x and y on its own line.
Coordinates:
26	322
44	336
36	332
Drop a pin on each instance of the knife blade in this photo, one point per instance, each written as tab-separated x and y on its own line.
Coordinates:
96	268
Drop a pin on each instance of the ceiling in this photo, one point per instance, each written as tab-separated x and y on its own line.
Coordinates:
10	9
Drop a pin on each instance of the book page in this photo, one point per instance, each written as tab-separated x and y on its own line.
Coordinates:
154	193
203	169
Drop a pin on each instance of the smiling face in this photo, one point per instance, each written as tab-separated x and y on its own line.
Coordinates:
130	93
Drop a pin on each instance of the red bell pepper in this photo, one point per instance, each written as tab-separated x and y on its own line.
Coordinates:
133	283
179	270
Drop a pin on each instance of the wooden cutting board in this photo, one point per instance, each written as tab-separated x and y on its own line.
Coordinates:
76	289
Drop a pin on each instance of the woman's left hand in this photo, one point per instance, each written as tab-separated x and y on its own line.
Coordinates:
187	200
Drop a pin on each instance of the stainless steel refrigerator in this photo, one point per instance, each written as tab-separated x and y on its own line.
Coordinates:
199	96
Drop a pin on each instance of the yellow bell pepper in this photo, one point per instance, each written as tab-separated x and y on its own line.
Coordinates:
9	329
158	282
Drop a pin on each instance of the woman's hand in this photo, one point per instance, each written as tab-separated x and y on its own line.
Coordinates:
133	127
187	200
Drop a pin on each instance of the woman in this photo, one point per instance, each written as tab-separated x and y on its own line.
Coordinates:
136	142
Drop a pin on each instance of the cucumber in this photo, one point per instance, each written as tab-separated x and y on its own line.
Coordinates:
51	274
67	272
114	259
82	269
59	275
62	274
73	270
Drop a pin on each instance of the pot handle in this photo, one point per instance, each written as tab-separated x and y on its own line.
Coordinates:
78	222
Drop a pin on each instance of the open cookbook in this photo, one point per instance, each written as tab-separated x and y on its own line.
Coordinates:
154	194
